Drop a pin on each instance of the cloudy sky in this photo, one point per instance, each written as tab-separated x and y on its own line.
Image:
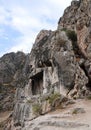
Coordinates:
21	20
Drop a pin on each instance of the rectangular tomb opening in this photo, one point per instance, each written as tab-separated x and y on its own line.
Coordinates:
37	83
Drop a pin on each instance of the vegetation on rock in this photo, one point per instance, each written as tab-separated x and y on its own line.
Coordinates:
36	108
53	97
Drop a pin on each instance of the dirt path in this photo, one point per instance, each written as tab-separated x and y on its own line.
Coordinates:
65	119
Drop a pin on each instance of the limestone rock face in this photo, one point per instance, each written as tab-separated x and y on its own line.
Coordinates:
12	67
9	64
54	75
80	23
55	58
82	26
58	67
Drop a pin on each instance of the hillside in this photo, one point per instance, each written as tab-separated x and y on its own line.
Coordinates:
53	79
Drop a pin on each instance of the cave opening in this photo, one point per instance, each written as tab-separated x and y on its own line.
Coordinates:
37	84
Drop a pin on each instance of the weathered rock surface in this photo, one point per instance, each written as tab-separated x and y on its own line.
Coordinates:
63	119
80	23
57	70
12	75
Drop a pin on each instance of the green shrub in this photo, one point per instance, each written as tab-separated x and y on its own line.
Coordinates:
71	34
89	97
54	97
36	109
64	29
75	112
73	37
78	110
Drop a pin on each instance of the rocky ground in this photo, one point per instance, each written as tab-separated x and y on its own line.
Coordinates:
74	117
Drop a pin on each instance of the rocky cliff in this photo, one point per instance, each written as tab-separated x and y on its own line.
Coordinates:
13	69
57	70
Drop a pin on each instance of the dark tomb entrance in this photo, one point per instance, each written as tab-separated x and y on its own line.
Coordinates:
37	83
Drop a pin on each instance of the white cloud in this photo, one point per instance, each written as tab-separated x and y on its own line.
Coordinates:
29	17
25	45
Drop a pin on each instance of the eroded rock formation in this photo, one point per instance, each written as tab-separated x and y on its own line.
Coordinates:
57	69
13	69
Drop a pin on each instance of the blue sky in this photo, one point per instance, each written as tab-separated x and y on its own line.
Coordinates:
21	21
